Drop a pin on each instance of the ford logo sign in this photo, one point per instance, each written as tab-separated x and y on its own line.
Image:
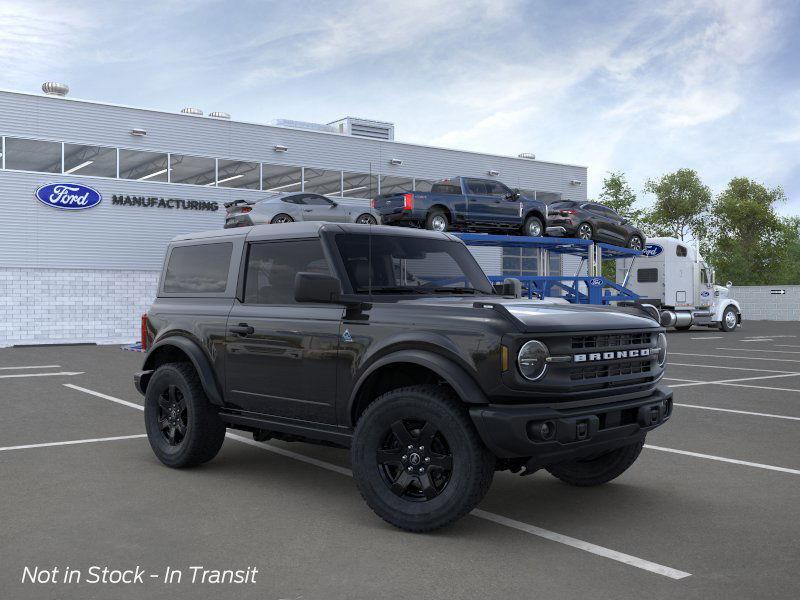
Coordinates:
596	281
705	293
652	250
68	196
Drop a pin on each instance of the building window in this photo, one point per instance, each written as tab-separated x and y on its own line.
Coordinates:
96	161
396	185
194	170
143	166
360	185
280	178
322	181
237	174
33	155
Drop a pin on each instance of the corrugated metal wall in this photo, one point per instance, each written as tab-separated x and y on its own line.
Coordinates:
123	237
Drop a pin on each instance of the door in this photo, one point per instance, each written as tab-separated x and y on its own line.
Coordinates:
487	203
604	223
320	208
281	356
705	290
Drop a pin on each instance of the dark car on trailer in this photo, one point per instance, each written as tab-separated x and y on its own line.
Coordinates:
392	342
465	204
594	221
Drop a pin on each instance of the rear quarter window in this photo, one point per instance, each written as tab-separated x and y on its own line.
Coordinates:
198	269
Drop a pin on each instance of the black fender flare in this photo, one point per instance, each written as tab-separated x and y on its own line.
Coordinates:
462	382
198	358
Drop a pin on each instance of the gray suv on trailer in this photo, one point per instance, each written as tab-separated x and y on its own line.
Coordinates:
393	343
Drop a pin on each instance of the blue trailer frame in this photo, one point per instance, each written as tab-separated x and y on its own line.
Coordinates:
598	289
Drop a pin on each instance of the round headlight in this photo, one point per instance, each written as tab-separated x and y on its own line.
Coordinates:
531	360
662	349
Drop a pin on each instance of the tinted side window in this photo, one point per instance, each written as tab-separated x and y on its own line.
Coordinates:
681	251
445	188
272	266
476	186
198	269
647	275
294	199
316	200
495	188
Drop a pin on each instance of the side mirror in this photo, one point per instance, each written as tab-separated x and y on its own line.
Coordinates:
334	204
729	285
509	287
316	287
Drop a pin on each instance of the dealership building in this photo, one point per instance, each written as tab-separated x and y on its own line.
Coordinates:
69	276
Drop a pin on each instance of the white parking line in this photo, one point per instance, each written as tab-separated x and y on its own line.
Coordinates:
759	350
723	459
733	381
581	545
481	514
740	412
16	375
761	387
73	442
739	357
708	337
787	346
673	364
31	367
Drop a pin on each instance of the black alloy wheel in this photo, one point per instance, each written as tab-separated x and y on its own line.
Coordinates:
635	243
172	417
366	219
414	460
584	231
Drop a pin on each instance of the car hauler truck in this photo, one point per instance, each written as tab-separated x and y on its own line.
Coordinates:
672	276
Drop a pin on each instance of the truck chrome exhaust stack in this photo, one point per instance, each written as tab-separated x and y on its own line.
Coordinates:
668	318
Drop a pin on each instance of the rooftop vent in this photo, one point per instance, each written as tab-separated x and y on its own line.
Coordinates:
219	115
51	88
376	130
527	155
192	111
303	125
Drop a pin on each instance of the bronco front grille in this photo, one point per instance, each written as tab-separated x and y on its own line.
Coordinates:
613	340
604	371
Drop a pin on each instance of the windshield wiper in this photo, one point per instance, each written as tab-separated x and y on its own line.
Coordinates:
455	290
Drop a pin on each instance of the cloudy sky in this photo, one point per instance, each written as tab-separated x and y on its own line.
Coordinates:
641	87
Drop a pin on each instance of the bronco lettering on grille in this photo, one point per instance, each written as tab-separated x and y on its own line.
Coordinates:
595	356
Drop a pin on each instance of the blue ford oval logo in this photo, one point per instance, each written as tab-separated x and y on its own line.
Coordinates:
705	293
68	196
596	281
652	250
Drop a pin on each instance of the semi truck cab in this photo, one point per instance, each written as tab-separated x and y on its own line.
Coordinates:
671	275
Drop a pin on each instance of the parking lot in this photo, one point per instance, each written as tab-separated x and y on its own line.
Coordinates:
710	510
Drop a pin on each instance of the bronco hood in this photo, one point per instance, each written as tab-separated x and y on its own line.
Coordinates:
548	316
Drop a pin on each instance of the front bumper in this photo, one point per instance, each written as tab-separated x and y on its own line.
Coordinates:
512	431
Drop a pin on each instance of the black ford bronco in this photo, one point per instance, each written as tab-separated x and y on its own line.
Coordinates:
393	343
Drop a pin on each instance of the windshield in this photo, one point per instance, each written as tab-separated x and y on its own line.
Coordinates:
386	264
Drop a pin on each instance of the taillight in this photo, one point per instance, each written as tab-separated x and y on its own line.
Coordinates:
408	201
566	213
247	209
374	203
144	331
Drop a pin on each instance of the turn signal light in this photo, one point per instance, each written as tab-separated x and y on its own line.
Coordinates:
247	209
408	201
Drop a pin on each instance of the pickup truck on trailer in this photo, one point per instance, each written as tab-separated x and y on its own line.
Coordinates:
465	203
392	342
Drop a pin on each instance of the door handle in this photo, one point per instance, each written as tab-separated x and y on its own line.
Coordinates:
241	329
308	209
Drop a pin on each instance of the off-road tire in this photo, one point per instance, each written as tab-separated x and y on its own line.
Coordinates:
472	464
723	325
205	431
433	215
530	223
597	471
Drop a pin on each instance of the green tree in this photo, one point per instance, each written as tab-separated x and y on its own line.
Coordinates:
681	205
618	195
749	243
